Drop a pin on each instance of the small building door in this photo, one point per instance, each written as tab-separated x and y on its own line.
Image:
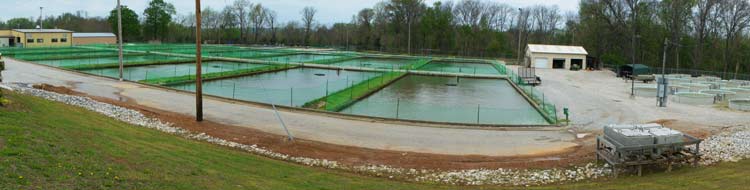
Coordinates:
558	63
576	64
541	63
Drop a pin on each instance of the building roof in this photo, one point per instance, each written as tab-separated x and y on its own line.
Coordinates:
92	35
556	49
43	31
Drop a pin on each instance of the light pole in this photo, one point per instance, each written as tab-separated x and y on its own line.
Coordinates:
634	17
41	18
662	86
119	36
198	78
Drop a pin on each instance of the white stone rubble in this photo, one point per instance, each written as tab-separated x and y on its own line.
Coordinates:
729	146
732	145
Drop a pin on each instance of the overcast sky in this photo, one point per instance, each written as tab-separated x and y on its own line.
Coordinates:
329	11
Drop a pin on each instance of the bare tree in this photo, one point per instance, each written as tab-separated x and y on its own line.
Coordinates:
258	18
241	12
735	16
545	21
705	13
675	15
364	21
228	20
469	13
271	20
380	22
633	5
499	15
209	21
290	33
308	17
407	11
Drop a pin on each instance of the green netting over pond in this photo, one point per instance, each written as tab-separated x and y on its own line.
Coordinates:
108	60
446	99
461	67
293	87
242	54
299	58
162	71
146	47
379	63
80	55
39	51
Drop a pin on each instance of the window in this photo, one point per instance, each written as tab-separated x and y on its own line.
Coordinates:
63	40
40	40
30	40
54	40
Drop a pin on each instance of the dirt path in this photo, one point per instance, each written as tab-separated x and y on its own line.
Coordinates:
347	154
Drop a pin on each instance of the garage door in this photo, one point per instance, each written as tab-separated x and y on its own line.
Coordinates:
541	63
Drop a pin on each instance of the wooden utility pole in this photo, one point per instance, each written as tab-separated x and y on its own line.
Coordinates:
198	78
119	36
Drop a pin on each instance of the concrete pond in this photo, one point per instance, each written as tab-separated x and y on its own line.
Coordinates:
461	67
292	87
172	70
450	99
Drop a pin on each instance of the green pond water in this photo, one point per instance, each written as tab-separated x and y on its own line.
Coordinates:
204	50
19	49
242	54
297	58
429	98
106	60
460	67
375	63
293	87
161	71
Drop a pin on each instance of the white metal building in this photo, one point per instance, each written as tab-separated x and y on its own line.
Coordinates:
555	56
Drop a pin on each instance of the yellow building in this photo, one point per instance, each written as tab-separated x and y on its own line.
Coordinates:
94	38
5	38
36	38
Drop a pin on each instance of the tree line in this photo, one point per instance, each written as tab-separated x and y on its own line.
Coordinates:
78	21
467	27
699	34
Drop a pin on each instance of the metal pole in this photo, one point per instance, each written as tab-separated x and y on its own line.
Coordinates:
198	78
520	12
398	104
119	36
664	59
478	107
291	97
41	18
632	69
662	96
291	138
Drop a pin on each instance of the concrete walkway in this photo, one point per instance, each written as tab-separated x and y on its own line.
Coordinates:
451	141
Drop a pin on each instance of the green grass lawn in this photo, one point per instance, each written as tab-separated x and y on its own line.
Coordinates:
48	145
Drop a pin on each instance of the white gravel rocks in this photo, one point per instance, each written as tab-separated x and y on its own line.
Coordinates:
730	146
